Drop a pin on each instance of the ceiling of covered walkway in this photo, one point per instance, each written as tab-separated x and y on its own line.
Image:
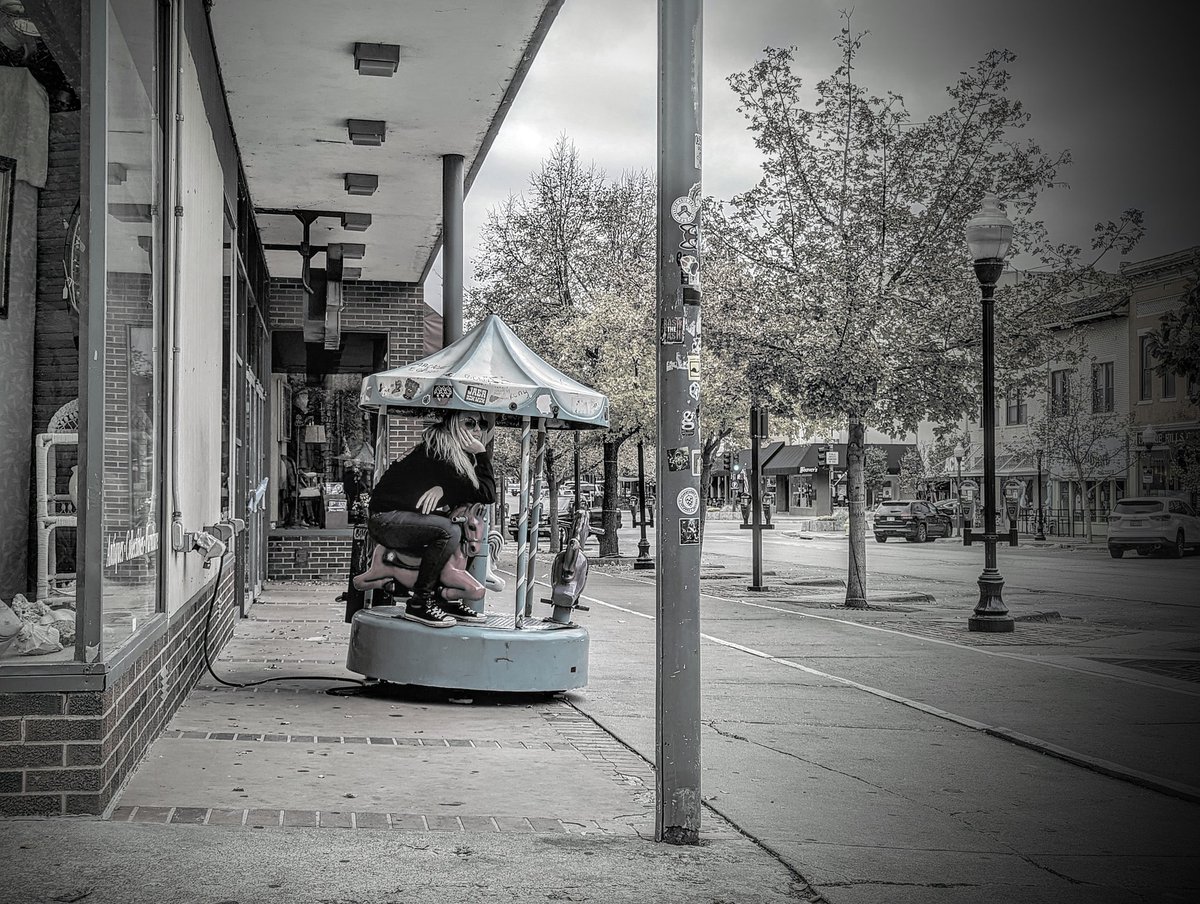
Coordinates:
291	84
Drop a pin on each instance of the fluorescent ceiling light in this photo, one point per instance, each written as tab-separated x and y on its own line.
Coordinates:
361	183
377	59
368	132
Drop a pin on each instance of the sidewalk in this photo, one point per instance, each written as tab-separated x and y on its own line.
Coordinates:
282	793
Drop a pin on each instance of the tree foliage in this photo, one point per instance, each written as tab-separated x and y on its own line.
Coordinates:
569	265
1176	341
850	254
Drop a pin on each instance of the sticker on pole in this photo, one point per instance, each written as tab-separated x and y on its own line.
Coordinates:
677	459
688	500
687	422
689	531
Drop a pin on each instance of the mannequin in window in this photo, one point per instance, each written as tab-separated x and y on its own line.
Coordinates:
410	509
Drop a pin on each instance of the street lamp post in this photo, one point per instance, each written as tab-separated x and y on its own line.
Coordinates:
643	560
989	235
1149	441
1040	520
959	452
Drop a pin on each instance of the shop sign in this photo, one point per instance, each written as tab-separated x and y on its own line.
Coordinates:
132	544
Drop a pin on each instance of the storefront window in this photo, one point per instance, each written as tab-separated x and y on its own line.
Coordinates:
43	257
132	451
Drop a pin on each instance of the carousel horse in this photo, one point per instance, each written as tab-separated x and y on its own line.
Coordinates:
455	582
568	573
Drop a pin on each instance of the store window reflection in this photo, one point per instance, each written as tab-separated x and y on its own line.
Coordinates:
42	259
133	331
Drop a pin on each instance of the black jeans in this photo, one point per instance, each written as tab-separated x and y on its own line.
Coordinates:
433	537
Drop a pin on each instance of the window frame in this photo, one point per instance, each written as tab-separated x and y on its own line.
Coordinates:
1103	393
1060	392
1145	369
1016	411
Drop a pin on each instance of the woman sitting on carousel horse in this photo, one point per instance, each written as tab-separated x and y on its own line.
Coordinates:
410	509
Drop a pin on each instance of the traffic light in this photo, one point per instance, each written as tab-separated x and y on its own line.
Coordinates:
822	456
727	462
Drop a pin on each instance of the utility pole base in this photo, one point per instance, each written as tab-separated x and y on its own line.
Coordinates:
758	588
643	564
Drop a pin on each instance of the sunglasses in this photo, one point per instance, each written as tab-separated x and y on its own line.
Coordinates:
471	423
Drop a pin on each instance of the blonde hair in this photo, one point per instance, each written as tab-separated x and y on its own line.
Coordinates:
447	440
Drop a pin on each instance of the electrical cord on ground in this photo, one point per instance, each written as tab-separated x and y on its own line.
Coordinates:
357	687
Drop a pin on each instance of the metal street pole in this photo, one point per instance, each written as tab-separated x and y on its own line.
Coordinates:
990	614
989	236
756	520
1041	521
677	626
643	560
958	492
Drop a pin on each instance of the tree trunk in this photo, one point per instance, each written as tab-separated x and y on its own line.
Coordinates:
609	543
856	496
1087	509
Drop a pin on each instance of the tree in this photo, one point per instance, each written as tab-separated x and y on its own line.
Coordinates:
852	249
1079	443
570	266
1176	342
875	469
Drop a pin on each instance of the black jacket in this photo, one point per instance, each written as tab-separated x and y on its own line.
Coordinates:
408	479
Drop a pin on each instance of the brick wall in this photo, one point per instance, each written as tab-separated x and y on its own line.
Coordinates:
369	306
297	555
69	753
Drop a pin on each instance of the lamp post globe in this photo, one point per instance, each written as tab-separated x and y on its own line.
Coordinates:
989	236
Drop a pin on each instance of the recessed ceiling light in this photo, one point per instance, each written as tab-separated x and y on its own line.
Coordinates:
361	183
356	222
369	132
377	59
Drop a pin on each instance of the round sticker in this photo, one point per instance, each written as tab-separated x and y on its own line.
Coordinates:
688	500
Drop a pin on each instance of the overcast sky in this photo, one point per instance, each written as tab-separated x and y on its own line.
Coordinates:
1113	82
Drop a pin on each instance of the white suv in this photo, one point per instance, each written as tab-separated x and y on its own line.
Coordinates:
1152	523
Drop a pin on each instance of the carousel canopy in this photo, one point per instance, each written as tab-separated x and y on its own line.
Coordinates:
488	370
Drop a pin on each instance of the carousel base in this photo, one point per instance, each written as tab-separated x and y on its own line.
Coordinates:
541	657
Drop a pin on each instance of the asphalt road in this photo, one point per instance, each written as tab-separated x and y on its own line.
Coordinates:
1071	580
891	755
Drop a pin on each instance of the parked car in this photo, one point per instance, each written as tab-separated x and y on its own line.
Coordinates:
1152	524
565	503
913	519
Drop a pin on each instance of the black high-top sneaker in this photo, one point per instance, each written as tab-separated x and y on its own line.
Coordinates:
462	612
424	609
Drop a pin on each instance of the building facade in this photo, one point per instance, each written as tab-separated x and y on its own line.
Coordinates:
214	218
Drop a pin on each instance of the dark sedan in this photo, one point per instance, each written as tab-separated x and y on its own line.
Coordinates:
913	519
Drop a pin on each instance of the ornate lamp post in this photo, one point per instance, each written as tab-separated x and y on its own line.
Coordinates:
989	235
1149	441
1040	521
959	452
643	560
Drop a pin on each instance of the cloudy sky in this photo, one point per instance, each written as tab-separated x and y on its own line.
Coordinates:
1111	81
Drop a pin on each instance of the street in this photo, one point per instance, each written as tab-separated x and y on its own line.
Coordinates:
1054	763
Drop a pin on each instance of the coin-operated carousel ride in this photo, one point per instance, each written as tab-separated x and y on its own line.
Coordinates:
493	374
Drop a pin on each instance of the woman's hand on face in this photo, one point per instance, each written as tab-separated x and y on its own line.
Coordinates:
429	500
475	445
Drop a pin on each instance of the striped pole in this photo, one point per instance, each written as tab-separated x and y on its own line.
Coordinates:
535	517
523	523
